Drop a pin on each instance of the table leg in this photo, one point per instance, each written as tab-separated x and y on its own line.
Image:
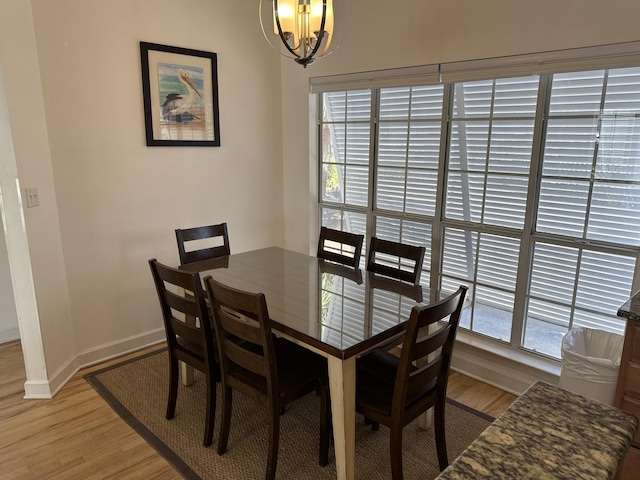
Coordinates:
186	373
425	421
342	384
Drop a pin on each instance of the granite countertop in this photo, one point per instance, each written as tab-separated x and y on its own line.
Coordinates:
549	433
631	308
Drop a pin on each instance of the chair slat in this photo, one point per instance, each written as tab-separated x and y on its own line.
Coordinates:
239	326
181	303
189	333
431	342
249	360
346	256
400	269
200	233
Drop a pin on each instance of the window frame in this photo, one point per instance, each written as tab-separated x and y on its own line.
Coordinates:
527	236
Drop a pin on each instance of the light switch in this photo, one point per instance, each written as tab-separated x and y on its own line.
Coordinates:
33	200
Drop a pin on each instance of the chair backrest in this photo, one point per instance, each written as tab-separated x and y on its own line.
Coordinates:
181	297
246	348
340	247
200	233
395	260
431	349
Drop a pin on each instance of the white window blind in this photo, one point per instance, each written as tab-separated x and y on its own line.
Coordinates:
615	55
397	77
408	149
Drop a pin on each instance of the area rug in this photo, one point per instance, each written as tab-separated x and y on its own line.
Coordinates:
137	391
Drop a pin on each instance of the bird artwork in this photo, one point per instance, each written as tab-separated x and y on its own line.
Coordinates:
181	107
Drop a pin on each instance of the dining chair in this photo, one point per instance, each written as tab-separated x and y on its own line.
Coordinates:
270	370
219	231
393	391
340	247
182	296
395	260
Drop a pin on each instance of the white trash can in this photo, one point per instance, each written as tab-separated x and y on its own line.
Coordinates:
590	363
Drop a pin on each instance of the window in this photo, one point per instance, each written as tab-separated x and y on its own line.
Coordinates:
346	160
525	189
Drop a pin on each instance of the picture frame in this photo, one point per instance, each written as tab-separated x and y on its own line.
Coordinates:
180	95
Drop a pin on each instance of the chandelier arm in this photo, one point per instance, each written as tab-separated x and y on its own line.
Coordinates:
281	33
321	32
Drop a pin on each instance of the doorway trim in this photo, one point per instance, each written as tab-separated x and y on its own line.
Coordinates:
37	383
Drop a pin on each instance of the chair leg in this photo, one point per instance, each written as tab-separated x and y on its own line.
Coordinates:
210	419
375	426
173	387
325	423
274	441
441	442
227	399
395	448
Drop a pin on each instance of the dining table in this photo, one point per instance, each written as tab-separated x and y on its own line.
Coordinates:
336	311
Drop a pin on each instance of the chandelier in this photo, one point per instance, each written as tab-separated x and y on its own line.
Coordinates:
302	29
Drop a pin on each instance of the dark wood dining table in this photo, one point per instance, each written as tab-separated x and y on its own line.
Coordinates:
336	311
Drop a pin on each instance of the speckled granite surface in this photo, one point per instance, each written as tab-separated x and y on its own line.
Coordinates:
549	433
631	308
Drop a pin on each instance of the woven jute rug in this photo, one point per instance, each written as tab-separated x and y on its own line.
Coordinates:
137	391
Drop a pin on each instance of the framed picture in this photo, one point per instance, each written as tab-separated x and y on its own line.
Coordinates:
180	90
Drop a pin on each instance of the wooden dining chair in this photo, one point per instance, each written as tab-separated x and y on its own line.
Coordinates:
183	236
395	260
270	370
182	296
340	247
393	391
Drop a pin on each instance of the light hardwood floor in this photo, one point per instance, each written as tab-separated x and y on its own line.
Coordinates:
76	435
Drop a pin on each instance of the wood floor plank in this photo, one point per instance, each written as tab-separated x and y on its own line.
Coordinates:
74	435
485	398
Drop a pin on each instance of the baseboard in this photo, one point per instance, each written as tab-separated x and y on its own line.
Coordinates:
93	356
513	374
37	389
9	335
111	350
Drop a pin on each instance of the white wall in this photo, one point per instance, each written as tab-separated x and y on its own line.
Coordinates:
118	201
